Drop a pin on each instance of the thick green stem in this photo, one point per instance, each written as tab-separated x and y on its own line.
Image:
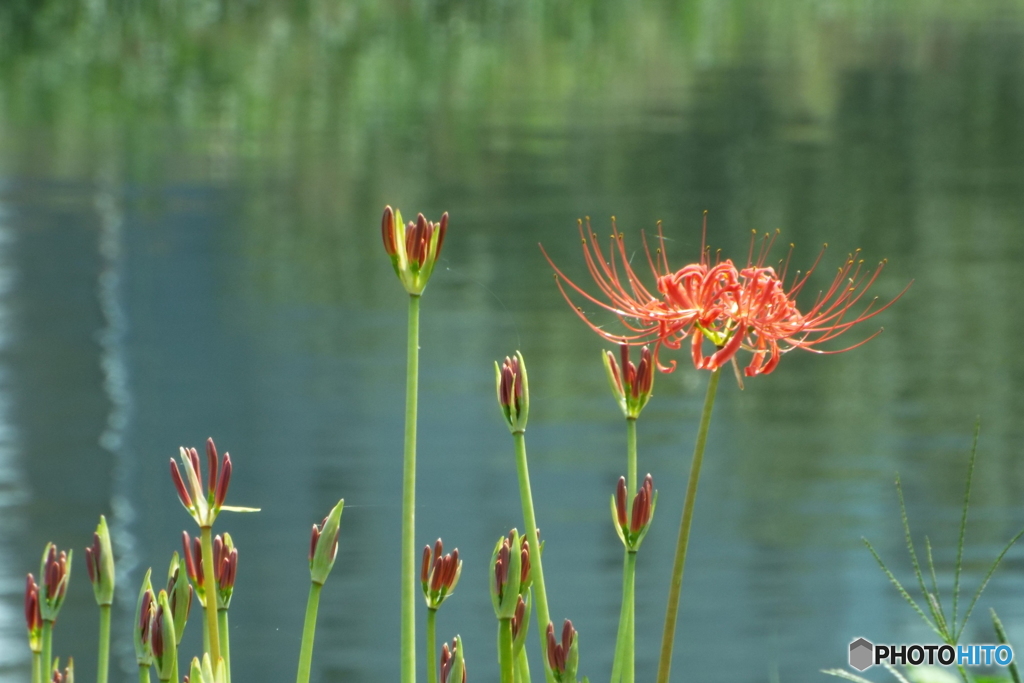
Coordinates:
210	580
431	646
47	650
536	564
669	634
225	642
37	667
408	664
522	667
103	659
308	631
506	661
143	673
620	634
206	632
629	606
631	481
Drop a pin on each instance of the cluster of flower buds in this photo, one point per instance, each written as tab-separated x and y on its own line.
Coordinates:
99	561
225	562
204	672
54	573
33	617
193	558
323	545
631	384
453	663
563	657
413	248
510	562
521	623
179	594
633	527
65	676
513	392
163	642
144	609
439	574
202	504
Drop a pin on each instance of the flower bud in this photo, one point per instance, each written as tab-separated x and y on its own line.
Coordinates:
163	641
204	503
521	622
323	545
33	617
179	594
513	392
453	664
144	610
506	565
99	561
193	558
54	574
631	385
413	248
439	574
225	559
203	672
563	656
632	527
66	676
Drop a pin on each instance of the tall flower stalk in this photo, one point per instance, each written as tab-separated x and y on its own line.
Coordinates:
99	562
54	574
439	574
749	309
514	401
413	250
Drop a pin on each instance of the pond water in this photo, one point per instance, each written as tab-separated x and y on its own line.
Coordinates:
190	196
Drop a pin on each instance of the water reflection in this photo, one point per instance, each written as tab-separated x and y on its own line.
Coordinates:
221	273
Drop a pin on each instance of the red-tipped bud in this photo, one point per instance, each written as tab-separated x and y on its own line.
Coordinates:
225	479
313	538
513	391
193	458
563	656
439	573
387	229
453	665
620	501
179	485
633	529
630	384
211	464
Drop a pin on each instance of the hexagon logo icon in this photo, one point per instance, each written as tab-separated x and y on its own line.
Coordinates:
861	654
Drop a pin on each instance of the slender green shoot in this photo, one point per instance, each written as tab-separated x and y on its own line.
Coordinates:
963	520
103	656
1001	636
308	633
536	564
679	564
225	642
523	668
408	652
206	546
506	661
431	645
47	650
37	667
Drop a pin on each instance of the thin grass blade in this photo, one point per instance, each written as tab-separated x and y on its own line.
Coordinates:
901	589
984	583
1001	635
963	521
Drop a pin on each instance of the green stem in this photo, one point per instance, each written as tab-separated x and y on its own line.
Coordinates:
522	667
668	635
620	637
308	631
206	632
505	660
408	665
143	673
206	535
431	646
631	481
37	667
225	642
47	650
536	565
629	606
103	660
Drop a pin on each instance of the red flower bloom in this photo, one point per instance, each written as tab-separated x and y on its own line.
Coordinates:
748	308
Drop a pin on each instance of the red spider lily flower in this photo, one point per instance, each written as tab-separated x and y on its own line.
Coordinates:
763	317
54	574
204	505
225	561
413	247
439	574
749	308
682	299
513	391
